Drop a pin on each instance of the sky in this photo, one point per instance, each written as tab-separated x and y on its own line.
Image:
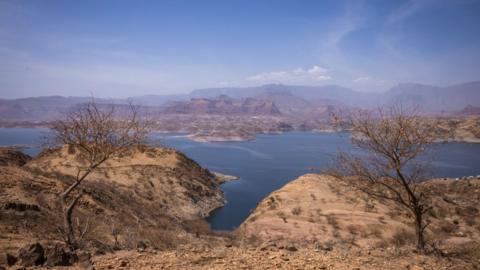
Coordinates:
132	48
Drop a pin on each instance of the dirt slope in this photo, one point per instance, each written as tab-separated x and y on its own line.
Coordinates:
145	196
319	209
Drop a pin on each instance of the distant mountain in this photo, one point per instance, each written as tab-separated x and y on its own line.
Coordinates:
332	93
469	110
432	98
271	99
158	100
429	98
223	105
43	108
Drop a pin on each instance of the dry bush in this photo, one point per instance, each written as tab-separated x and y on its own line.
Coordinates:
296	211
447	227
332	220
354	229
198	227
392	140
94	135
282	216
402	238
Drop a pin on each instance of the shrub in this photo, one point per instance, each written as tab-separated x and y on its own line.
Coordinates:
403	237
296	211
332	220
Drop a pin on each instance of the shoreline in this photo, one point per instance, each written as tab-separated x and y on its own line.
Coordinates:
224	178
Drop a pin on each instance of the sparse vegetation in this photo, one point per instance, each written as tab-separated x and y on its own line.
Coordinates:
393	139
296	211
95	135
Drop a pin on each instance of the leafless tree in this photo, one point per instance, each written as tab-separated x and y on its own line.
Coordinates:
391	139
99	133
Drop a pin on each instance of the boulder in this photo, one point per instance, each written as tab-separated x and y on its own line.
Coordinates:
291	248
31	255
7	259
12	157
58	256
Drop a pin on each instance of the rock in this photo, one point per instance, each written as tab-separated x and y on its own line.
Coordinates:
268	246
31	255
328	246
58	256
7	259
123	263
21	207
291	248
83	258
141	245
12	157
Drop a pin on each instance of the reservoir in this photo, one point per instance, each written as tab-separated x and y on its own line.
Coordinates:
270	161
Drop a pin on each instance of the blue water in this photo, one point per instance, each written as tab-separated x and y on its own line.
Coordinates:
32	138
271	161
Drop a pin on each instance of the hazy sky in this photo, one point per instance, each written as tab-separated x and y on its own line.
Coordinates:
128	48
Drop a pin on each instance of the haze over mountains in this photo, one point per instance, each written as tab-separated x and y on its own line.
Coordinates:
271	99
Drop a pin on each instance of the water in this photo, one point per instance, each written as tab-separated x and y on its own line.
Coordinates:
30	139
271	161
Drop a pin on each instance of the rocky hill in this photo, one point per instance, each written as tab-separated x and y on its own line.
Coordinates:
147	196
12	157
271	99
142	209
223	106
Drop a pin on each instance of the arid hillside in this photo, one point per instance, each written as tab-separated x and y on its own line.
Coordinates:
143	212
319	210
315	222
147	196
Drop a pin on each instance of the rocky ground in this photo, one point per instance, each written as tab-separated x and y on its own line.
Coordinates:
278	258
314	222
127	202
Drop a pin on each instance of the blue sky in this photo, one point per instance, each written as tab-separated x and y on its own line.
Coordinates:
129	48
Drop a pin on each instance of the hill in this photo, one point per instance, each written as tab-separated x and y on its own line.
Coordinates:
319	209
223	105
143	208
432	98
147	196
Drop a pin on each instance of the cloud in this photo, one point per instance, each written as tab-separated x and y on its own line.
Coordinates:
365	79
408	9
350	21
299	75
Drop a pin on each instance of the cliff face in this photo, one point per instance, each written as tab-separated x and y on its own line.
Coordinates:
146	195
223	106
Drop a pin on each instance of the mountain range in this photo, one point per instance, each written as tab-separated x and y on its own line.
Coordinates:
271	99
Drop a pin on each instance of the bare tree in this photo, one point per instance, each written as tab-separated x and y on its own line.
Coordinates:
391	141
98	133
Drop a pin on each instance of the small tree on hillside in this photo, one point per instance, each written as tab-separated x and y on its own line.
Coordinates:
391	140
98	134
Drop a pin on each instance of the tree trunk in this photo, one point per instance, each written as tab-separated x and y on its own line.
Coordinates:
67	221
67	224
419	229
